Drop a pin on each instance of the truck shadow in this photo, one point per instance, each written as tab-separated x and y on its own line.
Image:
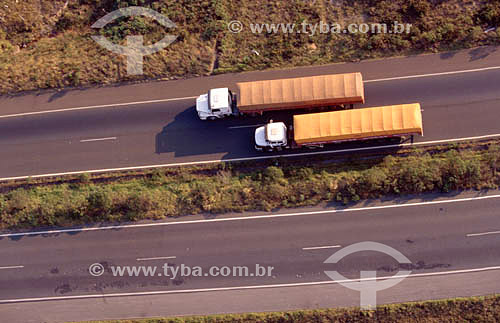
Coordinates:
186	135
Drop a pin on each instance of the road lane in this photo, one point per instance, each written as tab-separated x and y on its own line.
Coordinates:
455	106
433	237
243	301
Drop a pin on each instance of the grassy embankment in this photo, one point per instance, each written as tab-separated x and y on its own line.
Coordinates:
237	187
47	44
474	309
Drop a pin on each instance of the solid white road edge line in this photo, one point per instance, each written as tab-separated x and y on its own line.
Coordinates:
98	139
434	74
325	247
483	234
255	217
95	107
12	267
95	171
194	97
155	258
222	289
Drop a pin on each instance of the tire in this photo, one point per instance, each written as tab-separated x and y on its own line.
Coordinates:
212	118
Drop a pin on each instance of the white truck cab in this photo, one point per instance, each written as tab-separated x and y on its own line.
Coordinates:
272	136
216	104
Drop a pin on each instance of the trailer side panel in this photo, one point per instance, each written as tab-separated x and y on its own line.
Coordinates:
304	92
395	120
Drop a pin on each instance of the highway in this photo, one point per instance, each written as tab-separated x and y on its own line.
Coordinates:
451	240
437	234
455	105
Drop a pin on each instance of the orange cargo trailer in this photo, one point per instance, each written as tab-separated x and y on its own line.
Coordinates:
299	93
379	122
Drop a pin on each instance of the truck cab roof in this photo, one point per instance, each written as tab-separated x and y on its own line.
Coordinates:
272	135
275	132
218	98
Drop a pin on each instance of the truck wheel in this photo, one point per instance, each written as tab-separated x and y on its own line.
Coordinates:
212	118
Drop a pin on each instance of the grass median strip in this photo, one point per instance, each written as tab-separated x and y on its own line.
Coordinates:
474	309
246	186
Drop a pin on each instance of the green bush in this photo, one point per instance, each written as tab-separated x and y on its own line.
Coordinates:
18	201
305	173
489	13
459	172
99	203
273	174
418	174
374	180
275	193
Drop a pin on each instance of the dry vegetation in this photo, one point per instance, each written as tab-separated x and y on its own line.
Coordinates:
46	43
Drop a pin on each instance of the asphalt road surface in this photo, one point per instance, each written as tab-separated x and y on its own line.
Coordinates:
458	240
452	247
455	105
